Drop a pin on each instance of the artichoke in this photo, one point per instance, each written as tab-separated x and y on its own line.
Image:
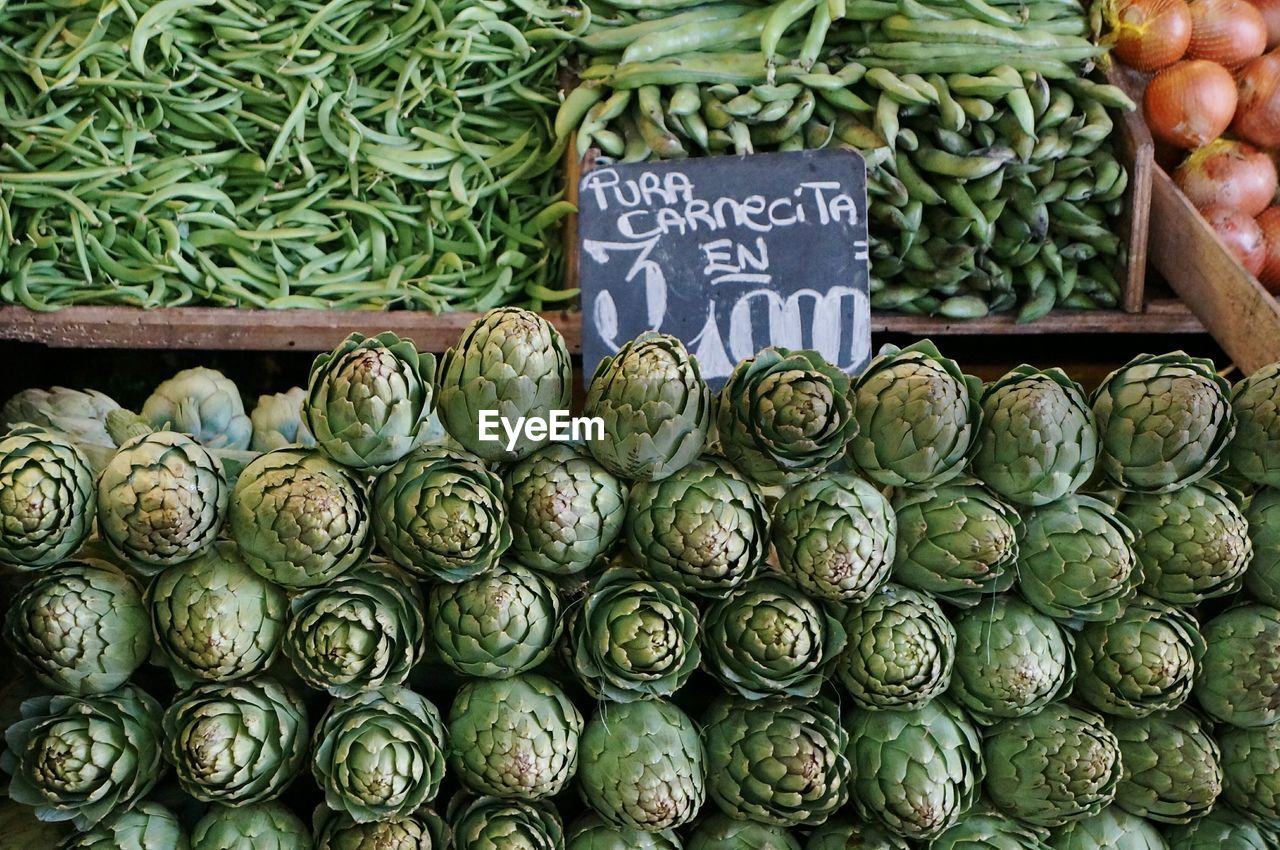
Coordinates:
835	537
766	637
655	407
1011	660
1038	442
980	830
957	542
1110	829
703	528
514	738
915	771
1172	767
439	514
161	501
1254	453
1163	422
299	519
1144	662
633	638
369	400
423	830
84	758
495	625
918	417
1251	772
1239	681
901	650
1193	544
509	363
79	414
642	765
277	422
146	826
361	632
81	629
592	833
784	416
1221	829
264	826
1077	562
379	754
236	743
203	403
1263	577
565	510
843	834
721	832
46	499
491	823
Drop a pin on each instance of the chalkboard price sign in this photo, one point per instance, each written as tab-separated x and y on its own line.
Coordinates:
730	254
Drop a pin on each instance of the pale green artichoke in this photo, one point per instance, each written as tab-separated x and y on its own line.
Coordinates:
1163	422
79	414
840	833
592	833
1239	678
146	826
46	499
1221	829
81	629
1110	829
642	765
491	823
981	830
1038	442
1262	579
369	400
424	830
263	826
439	514
918	417
1254	453
203	403
1251	772
277	422
721	832
299	519
835	536
704	528
565	510
655	407
1172	766
509	364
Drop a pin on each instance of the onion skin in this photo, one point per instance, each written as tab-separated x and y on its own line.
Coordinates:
1240	235
1270	10
1228	174
1150	34
1258	115
1229	32
1190	103
1269	221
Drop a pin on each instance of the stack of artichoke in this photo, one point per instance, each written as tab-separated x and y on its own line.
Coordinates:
807	612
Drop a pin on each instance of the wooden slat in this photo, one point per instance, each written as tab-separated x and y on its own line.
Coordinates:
1137	152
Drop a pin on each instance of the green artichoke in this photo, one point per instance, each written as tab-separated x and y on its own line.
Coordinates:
642	765
81	629
439	514
491	823
236	743
957	542
1038	442
423	830
915	771
655	407
900	652
203	403
379	754
703	528
633	638
1254	453
264	826
592	833
1077	562
784	416
1110	829
918	417
1251	772
835	537
514	738
1051	768
721	832
300	519
1263	577
766	637
495	625
1011	660
368	400
277	422
1172	767
84	758
566	511
510	364
1163	422
79	414
844	834
1239	680
361	632
146	826
981	830
1221	829
46	499
1193	544
1144	662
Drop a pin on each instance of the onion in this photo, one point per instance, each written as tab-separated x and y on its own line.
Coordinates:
1258	118
1240	234
1269	221
1229	32
1150	34
1270	10
1228	174
1191	103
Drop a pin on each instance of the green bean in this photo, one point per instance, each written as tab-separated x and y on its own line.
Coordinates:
891	85
815	39
970	167
886	120
782	15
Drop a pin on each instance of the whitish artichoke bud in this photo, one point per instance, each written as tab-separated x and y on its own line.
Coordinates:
918	417
1111	829
299	519
492	823
1239	679
146	826
591	833
79	414
511	362
277	422
1172	767
423	830
369	400
718	831
439	513
1221	829
1251	772
1262	579
46	499
1038	441
262	826
1255	451
655	407
843	833
784	416
1163	422
203	403
980	830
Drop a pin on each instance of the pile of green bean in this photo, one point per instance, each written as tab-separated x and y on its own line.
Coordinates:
282	153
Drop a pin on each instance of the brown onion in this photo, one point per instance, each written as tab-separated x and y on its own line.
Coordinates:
1258	114
1269	221
1240	234
1229	32
1189	104
1228	174
1270	10
1150	34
